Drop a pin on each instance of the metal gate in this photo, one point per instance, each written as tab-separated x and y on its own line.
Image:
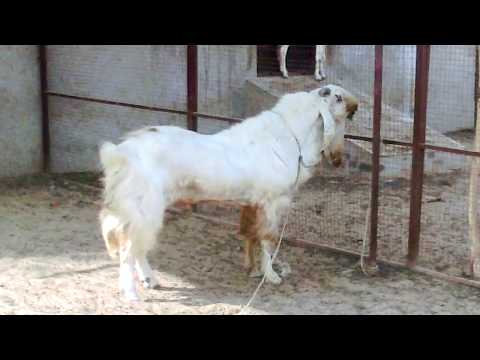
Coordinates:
407	181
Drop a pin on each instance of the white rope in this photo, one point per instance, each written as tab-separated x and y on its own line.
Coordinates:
365	237
242	311
362	256
301	163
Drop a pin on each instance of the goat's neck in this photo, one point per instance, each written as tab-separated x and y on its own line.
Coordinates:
303	131
310	140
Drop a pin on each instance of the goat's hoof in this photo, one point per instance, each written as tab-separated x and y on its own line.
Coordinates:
285	76
150	283
274	279
320	78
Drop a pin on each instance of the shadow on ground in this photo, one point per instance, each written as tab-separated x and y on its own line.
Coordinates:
53	261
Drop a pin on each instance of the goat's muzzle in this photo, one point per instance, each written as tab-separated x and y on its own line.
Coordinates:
336	159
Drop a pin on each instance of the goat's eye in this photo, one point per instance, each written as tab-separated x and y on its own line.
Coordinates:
339	98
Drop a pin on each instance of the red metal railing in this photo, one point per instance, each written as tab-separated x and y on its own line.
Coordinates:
418	145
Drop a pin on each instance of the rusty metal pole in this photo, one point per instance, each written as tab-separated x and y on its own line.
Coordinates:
192	87
376	148
473	189
192	93
42	50
477	84
418	161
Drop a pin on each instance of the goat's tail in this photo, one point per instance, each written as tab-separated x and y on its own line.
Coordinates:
133	205
110	158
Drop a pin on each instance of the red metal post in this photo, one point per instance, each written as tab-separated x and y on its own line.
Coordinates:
477	84
192	87
418	162
473	189
376	143
42	50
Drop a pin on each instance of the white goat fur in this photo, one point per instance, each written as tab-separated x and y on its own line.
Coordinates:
255	162
320	59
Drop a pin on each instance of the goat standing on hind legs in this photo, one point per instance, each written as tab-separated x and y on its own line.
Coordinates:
320	59
258	164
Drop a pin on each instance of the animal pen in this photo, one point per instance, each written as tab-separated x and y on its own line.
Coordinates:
410	150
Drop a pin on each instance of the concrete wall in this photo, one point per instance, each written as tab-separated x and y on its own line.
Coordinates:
20	111
146	75
156	76
452	88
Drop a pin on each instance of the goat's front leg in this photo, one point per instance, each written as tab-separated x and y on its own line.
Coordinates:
248	223
250	259
268	250
283	60
320	59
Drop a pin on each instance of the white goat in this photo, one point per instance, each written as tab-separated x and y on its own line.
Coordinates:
320	59
258	164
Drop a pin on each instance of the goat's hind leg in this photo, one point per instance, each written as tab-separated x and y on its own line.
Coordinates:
116	236
141	238
143	241
145	273
127	275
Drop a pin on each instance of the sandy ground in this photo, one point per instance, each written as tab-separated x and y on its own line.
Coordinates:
52	261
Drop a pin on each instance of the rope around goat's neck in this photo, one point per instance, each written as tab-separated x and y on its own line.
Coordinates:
301	161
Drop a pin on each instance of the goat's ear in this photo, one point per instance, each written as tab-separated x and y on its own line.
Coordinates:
329	126
324	92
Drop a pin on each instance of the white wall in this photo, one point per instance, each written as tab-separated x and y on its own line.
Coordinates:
451	88
146	75
20	111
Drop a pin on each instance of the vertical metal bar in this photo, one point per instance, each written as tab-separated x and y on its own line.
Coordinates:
192	87
42	50
418	161
376	143
192	93
477	84
473	188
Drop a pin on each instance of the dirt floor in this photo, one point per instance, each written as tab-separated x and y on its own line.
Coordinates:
52	261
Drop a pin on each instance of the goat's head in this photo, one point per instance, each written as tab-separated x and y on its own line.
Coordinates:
341	103
338	106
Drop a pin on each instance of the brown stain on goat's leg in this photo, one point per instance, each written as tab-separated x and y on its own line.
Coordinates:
248	223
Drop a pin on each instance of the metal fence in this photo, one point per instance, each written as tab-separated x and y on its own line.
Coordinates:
407	178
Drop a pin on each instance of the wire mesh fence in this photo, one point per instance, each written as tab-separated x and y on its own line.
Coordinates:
98	93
